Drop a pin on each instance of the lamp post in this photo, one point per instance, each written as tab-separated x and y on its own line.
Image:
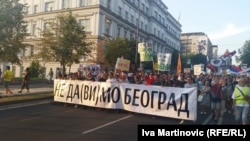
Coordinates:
137	33
186	48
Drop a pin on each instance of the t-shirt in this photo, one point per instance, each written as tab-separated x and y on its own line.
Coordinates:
8	75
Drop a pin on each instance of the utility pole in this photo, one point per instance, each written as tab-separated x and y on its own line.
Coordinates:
137	32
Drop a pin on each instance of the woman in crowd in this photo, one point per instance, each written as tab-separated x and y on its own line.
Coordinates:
216	97
206	92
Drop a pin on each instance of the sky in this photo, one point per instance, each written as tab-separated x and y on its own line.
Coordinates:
226	22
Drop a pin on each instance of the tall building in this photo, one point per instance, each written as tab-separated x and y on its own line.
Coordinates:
143	20
197	42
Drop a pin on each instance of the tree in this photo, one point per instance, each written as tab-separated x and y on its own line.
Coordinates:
64	40
12	30
119	47
244	52
199	59
174	59
36	69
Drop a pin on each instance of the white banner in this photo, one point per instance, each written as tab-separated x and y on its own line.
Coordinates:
163	61
170	102
146	52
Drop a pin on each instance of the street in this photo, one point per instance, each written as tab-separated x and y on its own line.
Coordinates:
48	120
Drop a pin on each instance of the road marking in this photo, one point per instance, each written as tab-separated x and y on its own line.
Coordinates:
220	120
207	119
27	119
104	125
24	105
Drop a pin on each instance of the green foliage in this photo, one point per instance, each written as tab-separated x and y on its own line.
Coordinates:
36	70
64	41
199	59
119	47
174	59
12	30
244	54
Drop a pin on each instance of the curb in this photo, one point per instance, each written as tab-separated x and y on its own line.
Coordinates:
24	93
18	105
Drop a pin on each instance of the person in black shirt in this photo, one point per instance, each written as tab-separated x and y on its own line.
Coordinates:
25	81
182	81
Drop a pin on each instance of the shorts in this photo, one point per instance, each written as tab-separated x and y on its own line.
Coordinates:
216	104
6	84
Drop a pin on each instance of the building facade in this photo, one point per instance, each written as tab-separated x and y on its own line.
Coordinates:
143	20
197	42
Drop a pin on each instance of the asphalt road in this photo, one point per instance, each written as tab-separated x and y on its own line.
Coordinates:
54	122
47	120
50	121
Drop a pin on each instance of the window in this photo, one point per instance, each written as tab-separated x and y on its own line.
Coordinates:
143	7
132	19
126	15
156	14
33	32
125	33
109	4
147	9
35	8
131	36
66	4
120	11
49	6
86	24
45	26
85	2
118	31
107	26
28	10
31	50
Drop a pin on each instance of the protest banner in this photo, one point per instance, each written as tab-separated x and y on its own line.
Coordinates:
170	102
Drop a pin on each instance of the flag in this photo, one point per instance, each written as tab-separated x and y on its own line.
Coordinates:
179	65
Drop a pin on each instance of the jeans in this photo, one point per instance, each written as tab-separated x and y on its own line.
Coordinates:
241	114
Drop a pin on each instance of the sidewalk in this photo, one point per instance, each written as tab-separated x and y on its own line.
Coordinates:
35	88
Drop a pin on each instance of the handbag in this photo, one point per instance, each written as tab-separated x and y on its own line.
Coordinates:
200	97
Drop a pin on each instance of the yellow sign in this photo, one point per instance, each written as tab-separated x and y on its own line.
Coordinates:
122	64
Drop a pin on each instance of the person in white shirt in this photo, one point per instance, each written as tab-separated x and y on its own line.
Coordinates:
111	78
190	83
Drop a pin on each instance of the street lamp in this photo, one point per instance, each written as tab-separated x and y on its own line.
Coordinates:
137	33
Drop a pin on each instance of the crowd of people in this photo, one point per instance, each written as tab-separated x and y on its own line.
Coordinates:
221	93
